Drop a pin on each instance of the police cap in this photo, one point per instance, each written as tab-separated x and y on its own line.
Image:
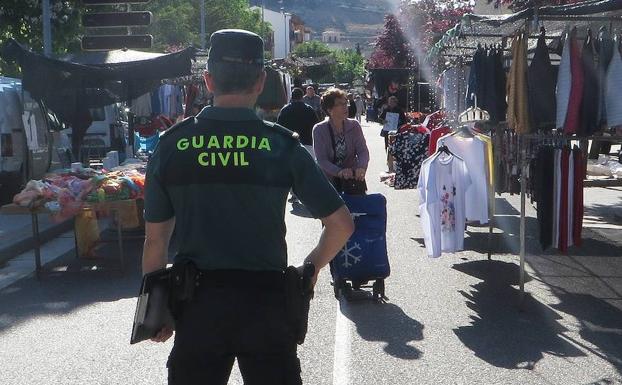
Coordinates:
236	46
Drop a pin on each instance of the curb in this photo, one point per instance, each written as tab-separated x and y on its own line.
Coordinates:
23	245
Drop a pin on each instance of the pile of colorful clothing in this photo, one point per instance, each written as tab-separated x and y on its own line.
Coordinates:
66	192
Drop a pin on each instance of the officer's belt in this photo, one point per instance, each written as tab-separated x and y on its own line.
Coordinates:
241	279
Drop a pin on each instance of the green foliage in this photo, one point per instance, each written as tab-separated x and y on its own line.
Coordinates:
178	22
21	20
312	48
350	66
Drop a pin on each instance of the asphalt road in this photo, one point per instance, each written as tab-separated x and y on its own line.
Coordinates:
452	320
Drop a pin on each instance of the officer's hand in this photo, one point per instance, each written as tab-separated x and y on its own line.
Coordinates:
346	173
313	278
164	334
359	174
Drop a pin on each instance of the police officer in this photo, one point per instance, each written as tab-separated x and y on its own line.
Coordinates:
222	179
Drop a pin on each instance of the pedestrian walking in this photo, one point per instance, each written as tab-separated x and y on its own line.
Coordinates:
339	143
299	117
314	101
360	107
221	180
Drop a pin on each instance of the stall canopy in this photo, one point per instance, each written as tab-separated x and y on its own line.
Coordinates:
70	87
491	30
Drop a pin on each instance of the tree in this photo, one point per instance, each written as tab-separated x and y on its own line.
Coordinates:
392	48
178	22
350	66
312	48
430	19
22	21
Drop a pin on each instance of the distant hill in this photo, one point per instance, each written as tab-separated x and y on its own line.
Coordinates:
359	20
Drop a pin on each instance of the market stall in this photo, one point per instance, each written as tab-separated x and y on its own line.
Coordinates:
559	64
83	194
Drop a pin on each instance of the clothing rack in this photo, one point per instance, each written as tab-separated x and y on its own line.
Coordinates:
465	37
524	166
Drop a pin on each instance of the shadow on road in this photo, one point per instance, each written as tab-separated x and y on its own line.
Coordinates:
82	282
497	272
500	333
505	337
386	323
601	324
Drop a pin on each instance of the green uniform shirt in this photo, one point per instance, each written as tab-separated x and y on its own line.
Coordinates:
225	176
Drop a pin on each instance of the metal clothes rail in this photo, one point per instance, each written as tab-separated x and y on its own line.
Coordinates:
524	164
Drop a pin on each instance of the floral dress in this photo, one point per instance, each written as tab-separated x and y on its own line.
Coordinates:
409	150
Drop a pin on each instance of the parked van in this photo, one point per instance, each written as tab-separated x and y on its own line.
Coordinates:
25	138
106	133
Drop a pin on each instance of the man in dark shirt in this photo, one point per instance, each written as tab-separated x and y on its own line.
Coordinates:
299	117
221	179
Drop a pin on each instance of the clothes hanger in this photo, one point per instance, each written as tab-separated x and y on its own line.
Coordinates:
473	114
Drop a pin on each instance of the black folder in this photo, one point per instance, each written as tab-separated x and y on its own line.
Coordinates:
152	308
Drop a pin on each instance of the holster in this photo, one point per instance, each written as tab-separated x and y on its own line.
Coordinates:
299	291
183	282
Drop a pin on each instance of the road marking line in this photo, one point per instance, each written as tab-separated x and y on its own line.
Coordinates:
343	345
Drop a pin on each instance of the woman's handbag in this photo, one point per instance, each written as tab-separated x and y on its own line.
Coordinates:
346	186
350	186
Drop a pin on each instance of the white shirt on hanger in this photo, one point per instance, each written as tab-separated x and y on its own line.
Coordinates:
442	186
473	151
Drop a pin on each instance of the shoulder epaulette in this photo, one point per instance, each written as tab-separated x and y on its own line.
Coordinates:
175	126
282	130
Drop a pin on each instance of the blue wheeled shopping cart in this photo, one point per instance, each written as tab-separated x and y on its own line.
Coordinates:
364	257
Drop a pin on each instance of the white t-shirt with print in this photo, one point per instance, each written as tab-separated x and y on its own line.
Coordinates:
473	151
443	183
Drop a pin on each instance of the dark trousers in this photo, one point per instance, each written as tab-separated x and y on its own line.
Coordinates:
223	323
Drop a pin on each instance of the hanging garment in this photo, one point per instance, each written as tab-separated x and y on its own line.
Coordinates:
579	177
570	208
453	83
562	92
544	173
573	118
476	78
605	54
589	106
613	98
518	109
434	120
156	106
490	97
435	135
409	149
442	184
472	150
563	202
500	84
556	198
490	171
141	106
541	84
